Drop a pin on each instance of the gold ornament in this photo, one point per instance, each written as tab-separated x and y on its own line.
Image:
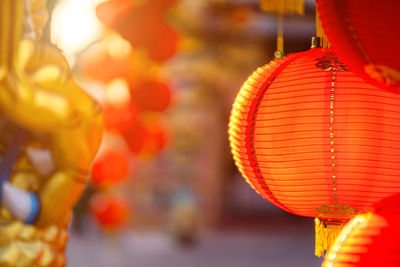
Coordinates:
283	6
62	129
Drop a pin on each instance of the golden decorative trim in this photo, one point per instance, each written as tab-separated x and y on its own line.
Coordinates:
325	235
332	144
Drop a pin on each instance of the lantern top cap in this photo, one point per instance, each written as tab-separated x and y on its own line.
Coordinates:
315	42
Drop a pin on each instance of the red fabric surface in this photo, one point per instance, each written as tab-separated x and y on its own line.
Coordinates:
365	33
280	134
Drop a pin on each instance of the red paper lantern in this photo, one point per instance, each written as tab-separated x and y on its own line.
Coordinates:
105	68
109	211
316	140
117	118
110	11
364	34
151	95
369	240
110	168
143	25
146	135
135	136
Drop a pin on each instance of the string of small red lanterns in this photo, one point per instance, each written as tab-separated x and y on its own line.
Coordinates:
136	118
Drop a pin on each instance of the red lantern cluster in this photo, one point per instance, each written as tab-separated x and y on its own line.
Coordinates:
142	24
135	94
370	239
363	32
145	133
314	139
108	208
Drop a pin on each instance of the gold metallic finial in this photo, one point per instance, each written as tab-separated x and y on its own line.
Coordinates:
315	42
324	42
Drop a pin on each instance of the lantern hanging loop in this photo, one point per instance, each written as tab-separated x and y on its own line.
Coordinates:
282	7
279	53
315	42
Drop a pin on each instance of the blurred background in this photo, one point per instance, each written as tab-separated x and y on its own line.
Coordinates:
164	188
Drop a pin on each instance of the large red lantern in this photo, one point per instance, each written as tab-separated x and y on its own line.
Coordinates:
316	140
142	24
370	239
110	211
110	168
365	34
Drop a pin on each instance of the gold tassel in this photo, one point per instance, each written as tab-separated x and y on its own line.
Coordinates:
325	234
320	31
283	6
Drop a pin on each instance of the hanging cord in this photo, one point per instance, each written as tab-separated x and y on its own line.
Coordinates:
279	53
282	7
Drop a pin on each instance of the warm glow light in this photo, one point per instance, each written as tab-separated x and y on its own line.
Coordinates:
75	25
117	92
118	47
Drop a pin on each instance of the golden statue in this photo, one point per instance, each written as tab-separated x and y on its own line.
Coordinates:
50	132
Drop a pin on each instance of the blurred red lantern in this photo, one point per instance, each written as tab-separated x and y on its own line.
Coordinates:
370	239
110	11
110	168
143	25
164	4
151	95
363	32
165	45
118	117
105	68
135	135
109	211
146	135
316	140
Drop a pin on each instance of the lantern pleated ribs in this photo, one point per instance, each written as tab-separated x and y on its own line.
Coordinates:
314	139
